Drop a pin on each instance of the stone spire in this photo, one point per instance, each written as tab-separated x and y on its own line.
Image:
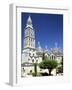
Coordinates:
29	23
39	46
56	45
46	48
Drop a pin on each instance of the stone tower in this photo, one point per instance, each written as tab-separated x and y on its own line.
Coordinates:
29	35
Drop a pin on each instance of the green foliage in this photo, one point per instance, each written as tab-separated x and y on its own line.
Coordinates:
60	68
48	64
61	62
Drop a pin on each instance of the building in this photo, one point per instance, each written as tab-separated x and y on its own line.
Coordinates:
31	54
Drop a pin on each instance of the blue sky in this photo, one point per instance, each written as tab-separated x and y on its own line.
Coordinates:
48	29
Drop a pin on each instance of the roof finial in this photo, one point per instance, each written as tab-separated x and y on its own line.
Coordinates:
46	47
39	46
56	44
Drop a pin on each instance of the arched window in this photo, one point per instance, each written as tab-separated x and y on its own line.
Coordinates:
30	71
33	54
36	60
52	57
33	60
23	70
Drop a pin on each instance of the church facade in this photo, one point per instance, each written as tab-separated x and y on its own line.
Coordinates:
31	54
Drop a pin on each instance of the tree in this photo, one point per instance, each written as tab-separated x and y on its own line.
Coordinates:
48	64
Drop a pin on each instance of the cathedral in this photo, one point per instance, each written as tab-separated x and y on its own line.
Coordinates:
31	54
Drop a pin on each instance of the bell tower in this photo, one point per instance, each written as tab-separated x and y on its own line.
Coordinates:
29	35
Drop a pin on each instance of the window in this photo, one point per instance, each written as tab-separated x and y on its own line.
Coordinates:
36	60
33	54
52	57
31	34
23	70
33	60
31	40
30	71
